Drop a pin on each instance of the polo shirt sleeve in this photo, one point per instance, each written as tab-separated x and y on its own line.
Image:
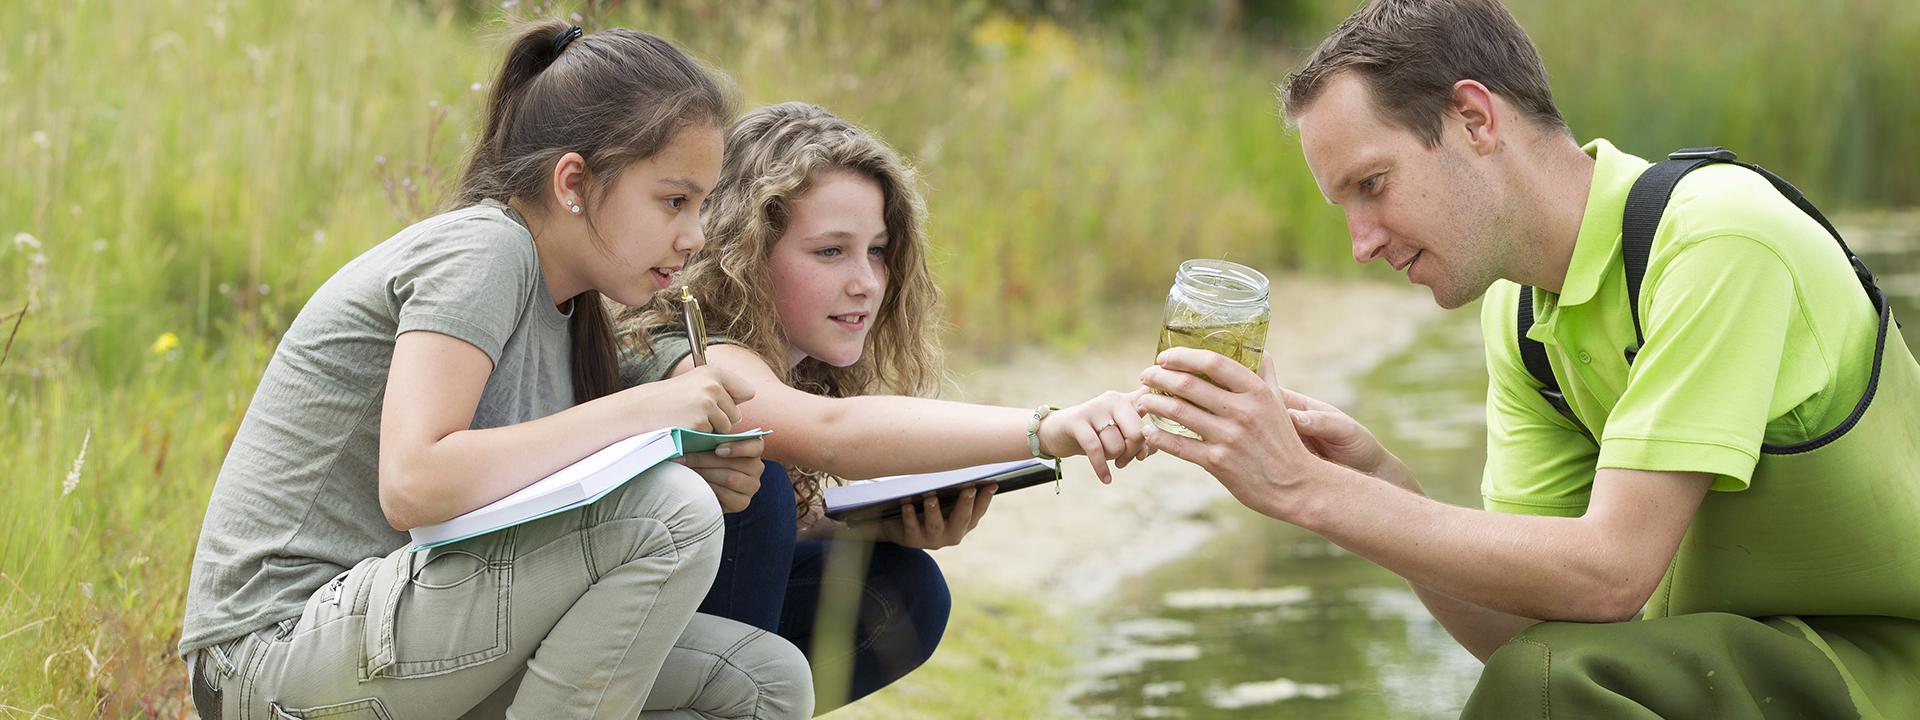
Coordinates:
1538	461
1715	313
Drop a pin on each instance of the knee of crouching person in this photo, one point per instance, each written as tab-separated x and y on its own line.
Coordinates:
669	496
689	508
782	676
916	592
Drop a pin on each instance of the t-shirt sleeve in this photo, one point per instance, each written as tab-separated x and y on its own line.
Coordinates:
638	365
469	278
641	365
1538	461
1716	315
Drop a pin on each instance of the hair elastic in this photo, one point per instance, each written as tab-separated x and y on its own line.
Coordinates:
560	41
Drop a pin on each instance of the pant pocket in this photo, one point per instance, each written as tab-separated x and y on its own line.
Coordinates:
435	612
368	709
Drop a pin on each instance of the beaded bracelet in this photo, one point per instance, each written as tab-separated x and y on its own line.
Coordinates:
1033	430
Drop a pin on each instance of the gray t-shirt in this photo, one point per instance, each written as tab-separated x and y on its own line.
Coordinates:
297	500
638	367
670	346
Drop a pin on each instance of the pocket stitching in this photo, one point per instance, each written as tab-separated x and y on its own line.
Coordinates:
373	704
386	662
485	565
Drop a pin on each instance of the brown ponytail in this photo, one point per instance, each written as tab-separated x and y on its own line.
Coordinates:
615	97
596	365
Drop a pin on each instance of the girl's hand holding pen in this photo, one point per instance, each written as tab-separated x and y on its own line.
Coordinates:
705	399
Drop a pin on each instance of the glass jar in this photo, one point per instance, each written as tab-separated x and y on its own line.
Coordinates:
1215	305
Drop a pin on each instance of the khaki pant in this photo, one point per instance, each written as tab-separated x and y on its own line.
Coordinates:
585	614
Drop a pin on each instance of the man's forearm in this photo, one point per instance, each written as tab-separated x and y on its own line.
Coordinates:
1480	630
1517	565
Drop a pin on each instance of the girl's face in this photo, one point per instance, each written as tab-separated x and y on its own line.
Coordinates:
829	269
650	220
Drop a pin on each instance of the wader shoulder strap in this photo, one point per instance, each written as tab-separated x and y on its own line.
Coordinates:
1534	355
1646	203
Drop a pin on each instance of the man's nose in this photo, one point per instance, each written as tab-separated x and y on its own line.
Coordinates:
1369	239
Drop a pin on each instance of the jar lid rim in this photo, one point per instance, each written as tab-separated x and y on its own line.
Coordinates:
1224	281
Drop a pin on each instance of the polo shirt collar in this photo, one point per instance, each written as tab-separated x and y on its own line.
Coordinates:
1594	249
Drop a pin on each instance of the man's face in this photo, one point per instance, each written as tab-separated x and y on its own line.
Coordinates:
1431	212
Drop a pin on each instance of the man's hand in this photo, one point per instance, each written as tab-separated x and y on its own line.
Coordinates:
1599	567
1338	438
1248	441
734	475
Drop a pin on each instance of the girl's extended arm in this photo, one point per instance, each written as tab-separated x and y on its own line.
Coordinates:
875	435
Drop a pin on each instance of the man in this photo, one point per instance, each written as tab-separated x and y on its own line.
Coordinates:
1728	437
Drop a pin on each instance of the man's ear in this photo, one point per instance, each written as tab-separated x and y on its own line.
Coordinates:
1474	107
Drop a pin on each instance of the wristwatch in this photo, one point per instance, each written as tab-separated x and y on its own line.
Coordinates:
1033	431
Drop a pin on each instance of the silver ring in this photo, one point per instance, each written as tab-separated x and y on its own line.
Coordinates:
1103	428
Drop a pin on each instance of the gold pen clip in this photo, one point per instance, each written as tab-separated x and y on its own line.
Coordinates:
696	325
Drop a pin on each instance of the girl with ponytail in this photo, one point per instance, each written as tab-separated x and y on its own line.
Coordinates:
456	362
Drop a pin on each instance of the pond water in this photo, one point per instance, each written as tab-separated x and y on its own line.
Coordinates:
1270	621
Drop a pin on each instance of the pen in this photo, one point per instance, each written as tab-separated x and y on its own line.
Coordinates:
696	325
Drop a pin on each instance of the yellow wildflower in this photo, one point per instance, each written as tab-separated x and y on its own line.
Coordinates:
166	341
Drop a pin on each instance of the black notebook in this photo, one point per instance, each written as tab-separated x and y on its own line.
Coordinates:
879	499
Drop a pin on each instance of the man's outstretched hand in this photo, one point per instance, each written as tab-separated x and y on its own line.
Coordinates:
1248	440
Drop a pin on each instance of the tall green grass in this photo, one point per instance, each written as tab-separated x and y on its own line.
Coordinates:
1820	91
183	173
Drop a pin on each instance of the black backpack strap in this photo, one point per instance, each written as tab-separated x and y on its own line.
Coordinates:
1647	202
1534	356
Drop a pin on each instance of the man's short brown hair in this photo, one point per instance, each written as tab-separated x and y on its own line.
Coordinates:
1411	52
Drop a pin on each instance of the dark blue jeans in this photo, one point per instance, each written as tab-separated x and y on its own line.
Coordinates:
773	581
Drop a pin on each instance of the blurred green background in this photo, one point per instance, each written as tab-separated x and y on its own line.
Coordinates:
181	174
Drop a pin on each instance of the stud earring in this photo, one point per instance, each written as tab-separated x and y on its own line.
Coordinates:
572	207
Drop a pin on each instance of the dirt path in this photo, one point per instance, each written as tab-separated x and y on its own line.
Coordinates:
1075	546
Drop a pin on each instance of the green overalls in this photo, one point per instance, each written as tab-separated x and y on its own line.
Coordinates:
1769	609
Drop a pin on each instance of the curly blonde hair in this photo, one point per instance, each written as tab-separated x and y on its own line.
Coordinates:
773	156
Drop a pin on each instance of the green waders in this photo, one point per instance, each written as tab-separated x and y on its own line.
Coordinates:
1781	620
1798	597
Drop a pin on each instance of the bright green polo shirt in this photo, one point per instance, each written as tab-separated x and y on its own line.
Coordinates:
1756	331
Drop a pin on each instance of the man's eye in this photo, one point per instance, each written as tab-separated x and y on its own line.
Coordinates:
1372	182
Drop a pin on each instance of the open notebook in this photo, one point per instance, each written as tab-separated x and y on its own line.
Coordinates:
879	498
581	483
